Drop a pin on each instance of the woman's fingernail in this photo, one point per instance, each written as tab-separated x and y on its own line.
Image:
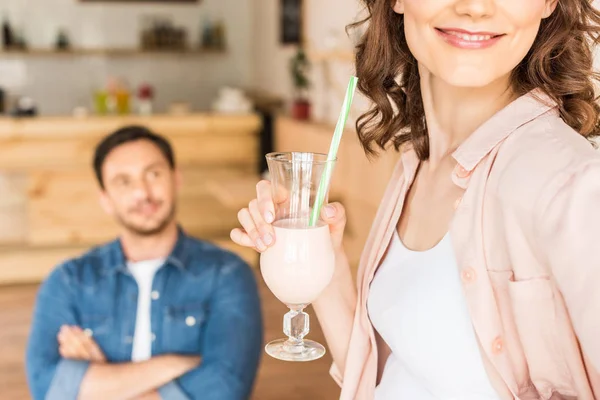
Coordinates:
330	211
260	245
269	217
267	239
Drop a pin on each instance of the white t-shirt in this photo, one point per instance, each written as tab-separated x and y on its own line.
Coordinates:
143	272
417	305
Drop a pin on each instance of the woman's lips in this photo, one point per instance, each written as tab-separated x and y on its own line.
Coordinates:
468	40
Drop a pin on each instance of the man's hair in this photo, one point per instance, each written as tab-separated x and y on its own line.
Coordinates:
125	135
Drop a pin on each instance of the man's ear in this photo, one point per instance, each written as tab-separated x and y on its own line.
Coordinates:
105	203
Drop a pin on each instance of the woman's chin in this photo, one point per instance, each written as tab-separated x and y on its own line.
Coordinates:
467	80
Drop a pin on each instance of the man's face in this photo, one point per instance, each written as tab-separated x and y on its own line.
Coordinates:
140	187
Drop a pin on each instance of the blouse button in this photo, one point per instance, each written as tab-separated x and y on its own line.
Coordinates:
498	346
462	172
468	275
190	321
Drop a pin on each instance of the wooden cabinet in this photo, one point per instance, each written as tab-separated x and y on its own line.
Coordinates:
49	207
358	183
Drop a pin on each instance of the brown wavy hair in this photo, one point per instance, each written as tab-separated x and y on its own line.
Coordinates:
560	63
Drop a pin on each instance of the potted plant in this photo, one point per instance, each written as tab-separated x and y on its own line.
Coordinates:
299	67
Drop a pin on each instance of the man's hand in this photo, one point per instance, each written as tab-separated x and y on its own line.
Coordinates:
75	344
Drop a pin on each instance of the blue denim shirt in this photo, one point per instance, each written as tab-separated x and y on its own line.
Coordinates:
199	280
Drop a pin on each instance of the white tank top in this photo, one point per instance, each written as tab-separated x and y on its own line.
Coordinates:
417	305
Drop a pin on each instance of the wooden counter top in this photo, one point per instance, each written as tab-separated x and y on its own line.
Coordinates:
199	139
49	197
192	124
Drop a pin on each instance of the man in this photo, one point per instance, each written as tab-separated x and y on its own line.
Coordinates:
155	314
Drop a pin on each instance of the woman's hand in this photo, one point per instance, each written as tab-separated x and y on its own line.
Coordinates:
257	219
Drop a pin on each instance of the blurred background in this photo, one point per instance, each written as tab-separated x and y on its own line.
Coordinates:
227	81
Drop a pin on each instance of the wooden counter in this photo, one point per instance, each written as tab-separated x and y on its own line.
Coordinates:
49	207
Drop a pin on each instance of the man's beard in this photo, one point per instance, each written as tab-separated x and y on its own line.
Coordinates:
151	231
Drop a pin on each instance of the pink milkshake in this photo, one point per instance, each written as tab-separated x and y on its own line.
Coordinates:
301	262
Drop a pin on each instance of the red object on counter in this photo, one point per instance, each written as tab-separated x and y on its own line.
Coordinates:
301	110
146	92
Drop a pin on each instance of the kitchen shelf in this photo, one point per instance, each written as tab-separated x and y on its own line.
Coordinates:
108	52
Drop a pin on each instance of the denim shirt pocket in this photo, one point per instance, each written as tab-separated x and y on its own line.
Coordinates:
184	327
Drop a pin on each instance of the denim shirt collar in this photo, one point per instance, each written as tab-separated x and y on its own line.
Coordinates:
117	262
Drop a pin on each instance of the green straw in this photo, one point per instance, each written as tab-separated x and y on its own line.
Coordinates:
333	149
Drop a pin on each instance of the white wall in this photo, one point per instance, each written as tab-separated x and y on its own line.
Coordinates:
325	30
59	84
325	24
270	59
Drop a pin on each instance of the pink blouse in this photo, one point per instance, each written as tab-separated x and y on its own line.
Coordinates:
527	241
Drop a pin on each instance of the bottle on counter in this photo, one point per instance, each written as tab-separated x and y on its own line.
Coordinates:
63	42
8	37
122	101
118	97
207	40
25	107
113	99
2	101
101	102
145	99
219	36
19	40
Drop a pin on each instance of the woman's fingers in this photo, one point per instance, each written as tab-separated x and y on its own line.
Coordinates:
240	237
265	203
265	230
251	230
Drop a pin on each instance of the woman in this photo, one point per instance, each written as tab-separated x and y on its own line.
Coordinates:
481	276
